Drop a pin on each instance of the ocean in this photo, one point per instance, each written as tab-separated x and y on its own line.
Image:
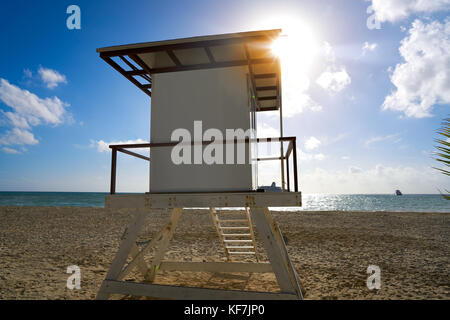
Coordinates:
311	202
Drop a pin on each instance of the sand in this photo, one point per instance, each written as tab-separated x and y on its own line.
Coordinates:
330	250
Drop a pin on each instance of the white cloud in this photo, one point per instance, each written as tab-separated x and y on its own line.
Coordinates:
312	143
395	10
10	150
334	79
378	179
345	158
17	136
264	130
51	78
395	138
28	110
295	93
305	156
368	47
103	146
423	80
29	107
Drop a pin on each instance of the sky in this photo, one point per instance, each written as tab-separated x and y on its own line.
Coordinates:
365	91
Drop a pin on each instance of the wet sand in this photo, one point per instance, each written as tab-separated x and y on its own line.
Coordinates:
330	251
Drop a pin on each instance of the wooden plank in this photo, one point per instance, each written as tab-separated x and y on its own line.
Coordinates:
273	249
267	98
287	261
210	55
213	214
129	238
189	293
267	88
216	266
265	75
112	187
204	200
141	264
188	45
140	255
174	58
165	241
126	74
252	233
217	64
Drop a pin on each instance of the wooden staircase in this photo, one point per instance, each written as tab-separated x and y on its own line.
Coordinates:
235	233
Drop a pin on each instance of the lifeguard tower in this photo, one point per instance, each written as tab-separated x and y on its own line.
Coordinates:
218	82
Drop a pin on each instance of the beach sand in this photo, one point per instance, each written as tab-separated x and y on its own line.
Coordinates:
330	250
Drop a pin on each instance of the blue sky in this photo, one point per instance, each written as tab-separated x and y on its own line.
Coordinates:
365	112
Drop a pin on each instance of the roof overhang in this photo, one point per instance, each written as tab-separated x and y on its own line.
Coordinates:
138	62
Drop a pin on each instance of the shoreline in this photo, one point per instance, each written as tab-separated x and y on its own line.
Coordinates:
330	250
276	210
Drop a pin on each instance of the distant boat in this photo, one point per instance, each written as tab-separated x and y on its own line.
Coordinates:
272	188
398	193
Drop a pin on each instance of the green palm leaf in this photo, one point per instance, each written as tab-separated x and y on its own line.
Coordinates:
443	154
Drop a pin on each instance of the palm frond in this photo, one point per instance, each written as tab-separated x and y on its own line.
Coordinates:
443	154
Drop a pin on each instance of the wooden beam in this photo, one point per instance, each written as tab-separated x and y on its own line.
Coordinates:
210	55
273	250
126	74
128	240
267	88
222	64
140	255
188	45
252	77
164	244
216	266
140	62
113	171
289	149
279	238
213	214
268	109
173	57
204	200
133	67
268	98
269	158
189	293
137	155
265	75
136	73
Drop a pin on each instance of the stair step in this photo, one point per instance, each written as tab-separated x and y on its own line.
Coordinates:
233	220
236	234
234	228
239	247
237	240
230	212
231	252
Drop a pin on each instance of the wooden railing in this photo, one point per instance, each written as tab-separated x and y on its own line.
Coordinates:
292	149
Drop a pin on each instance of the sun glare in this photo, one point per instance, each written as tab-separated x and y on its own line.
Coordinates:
296	46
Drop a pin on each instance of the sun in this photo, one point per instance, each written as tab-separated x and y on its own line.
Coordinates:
296	46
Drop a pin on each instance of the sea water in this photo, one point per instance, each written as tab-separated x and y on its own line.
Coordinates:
311	202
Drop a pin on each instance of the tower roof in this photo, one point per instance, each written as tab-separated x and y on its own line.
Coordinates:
139	62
